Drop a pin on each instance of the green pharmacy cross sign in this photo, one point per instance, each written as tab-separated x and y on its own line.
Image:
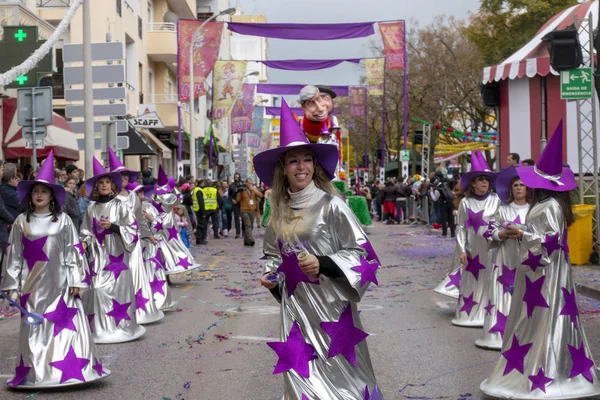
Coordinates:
18	44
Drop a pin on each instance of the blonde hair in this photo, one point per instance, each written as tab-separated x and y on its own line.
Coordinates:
280	196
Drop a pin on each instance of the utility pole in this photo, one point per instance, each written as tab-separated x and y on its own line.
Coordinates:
88	98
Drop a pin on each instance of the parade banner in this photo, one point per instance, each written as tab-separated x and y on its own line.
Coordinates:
266	137
243	110
206	52
254	135
392	35
358	100
227	85
375	69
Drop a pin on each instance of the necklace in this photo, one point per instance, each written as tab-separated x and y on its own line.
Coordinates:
298	218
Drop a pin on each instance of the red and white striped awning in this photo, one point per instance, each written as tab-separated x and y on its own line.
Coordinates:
533	58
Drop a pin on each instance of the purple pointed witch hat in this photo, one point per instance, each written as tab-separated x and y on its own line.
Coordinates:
291	137
163	186
45	176
479	167
115	165
100	172
136	187
503	183
549	173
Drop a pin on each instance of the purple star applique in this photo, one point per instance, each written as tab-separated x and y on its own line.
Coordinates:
294	353
367	271
304	397
454	280
21	372
533	261
62	317
33	251
158	207
98	367
158	226
158	261
23	302
570	307
539	381
507	279
157	286
119	311
475	220
172	233
533	295
564	244
500	325
135	225
99	232
489	307
376	395
90	273
290	267
371	255
518	220
79	247
551	243
468	304
474	266
116	265
90	318
71	366
344	336
581	363
515	356
140	301
184	262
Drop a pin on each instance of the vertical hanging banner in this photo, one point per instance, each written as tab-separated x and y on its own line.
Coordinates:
375	69
265	140
392	35
254	135
206	52
243	110
358	98
227	85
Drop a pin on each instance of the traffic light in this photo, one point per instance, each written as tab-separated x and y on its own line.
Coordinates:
18	44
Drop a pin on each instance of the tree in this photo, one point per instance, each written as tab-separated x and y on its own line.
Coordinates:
501	27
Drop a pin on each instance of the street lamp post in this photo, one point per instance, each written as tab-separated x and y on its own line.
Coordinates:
195	38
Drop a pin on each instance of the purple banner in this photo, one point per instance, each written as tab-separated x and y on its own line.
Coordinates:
253	138
243	109
276	111
284	88
304	31
307	65
358	100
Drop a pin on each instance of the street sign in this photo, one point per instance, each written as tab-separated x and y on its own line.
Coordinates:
39	144
78	127
150	120
100	74
40	133
42	106
106	110
103	51
122	142
209	174
404	155
16	47
382	175
224	158
576	84
365	177
115	93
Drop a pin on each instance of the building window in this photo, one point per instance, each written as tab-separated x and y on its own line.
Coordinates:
119	7
140	27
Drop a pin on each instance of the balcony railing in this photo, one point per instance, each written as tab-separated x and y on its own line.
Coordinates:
162	27
53	3
164	98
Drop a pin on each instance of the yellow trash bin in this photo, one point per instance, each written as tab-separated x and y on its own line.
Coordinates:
581	235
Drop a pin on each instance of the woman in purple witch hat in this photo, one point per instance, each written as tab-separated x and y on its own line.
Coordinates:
109	234
153	258
319	265
45	264
515	196
545	354
146	311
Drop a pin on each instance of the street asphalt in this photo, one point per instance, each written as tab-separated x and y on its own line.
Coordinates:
213	345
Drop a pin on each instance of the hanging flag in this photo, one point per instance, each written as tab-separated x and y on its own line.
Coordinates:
210	135
254	135
375	70
227	85
206	52
243	110
266	137
358	100
392	35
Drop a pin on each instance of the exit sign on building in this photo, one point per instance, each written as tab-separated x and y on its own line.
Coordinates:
576	84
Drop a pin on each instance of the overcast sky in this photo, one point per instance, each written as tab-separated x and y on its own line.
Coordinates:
337	11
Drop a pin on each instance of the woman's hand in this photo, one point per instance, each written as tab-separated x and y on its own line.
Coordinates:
75	291
463	258
266	283
310	266
513	232
105	223
84	244
147	216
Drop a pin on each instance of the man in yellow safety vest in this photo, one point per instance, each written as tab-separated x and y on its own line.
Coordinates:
211	200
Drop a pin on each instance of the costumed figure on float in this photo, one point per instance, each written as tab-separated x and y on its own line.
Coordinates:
45	264
515	196
146	311
109	233
319	265
545	354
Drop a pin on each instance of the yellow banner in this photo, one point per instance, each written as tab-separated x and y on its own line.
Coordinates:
228	79
375	71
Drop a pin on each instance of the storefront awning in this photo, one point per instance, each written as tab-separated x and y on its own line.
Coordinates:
138	146
166	152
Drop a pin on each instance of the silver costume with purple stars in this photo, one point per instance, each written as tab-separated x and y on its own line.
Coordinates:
44	260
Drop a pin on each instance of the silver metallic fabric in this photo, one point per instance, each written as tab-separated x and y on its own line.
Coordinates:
327	227
113	291
473	221
505	263
146	311
545	354
447	287
177	257
57	265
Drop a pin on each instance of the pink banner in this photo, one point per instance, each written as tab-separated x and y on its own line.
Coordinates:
243	109
392	34
206	52
358	99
